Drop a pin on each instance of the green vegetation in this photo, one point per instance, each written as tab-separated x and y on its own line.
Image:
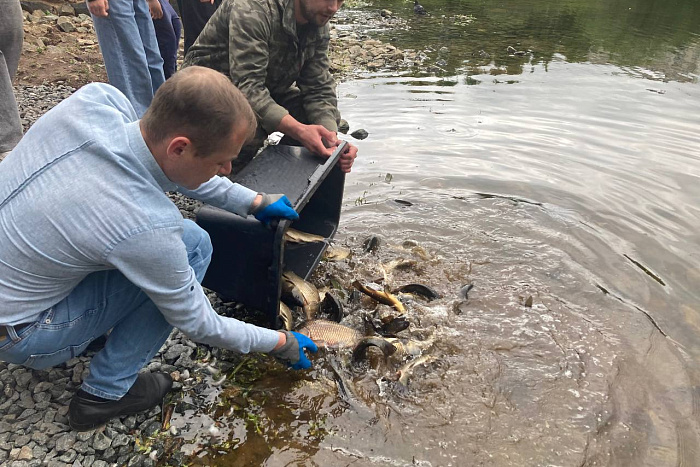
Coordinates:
649	34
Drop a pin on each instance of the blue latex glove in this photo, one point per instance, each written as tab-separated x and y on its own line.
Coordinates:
292	352
274	207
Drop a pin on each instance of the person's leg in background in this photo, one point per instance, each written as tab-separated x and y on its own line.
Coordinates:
168	30
130	51
11	39
194	15
150	44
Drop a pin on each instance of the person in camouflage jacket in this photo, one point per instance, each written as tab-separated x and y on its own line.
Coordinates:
276	53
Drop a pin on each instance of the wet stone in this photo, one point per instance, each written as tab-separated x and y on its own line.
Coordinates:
100	442
109	454
25	400
100	463
176	351
130	422
52	428
83	435
42	406
40	438
120	440
82	447
151	429
39	452
42	386
56	463
49	415
65	442
22	379
68	457
27	413
21	440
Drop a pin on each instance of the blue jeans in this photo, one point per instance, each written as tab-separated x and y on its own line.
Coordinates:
103	301
130	51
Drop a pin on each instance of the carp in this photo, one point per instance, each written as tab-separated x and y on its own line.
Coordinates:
336	336
385	297
304	293
297	236
406	370
336	253
418	289
285	316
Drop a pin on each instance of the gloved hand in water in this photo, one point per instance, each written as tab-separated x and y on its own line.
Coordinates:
292	352
274	207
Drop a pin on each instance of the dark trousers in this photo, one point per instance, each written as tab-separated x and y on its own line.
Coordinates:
194	15
168	29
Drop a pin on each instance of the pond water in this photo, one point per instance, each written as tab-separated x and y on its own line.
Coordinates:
562	182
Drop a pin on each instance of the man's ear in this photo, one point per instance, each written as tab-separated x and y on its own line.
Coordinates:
179	146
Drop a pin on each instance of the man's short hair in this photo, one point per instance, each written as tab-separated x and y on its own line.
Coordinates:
202	105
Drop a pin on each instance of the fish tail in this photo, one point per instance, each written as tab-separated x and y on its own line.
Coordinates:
360	351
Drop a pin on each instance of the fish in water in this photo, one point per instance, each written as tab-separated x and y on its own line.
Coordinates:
336	253
297	236
385	297
331	306
285	316
309	294
406	371
332	335
419	289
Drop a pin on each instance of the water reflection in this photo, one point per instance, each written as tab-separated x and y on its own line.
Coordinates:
474	36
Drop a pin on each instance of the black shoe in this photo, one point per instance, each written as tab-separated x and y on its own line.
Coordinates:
148	391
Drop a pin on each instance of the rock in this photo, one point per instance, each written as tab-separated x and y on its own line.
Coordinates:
385	13
343	126
32	6
25	453
65	24
81	9
65	442
49	19
66	10
359	134
100	442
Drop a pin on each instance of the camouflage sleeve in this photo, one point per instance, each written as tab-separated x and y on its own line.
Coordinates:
318	88
249	33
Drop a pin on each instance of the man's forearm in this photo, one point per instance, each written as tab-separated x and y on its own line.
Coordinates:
290	126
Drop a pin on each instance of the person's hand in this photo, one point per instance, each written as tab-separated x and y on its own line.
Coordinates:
99	8
292	351
273	207
317	139
347	158
155	8
207	1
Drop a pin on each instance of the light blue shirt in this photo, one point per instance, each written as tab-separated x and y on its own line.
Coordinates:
82	193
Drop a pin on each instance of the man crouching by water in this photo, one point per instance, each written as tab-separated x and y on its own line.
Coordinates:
89	242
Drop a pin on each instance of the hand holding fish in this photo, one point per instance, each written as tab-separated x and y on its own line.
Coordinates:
292	351
271	207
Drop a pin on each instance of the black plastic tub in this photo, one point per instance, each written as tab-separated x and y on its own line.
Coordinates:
249	257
